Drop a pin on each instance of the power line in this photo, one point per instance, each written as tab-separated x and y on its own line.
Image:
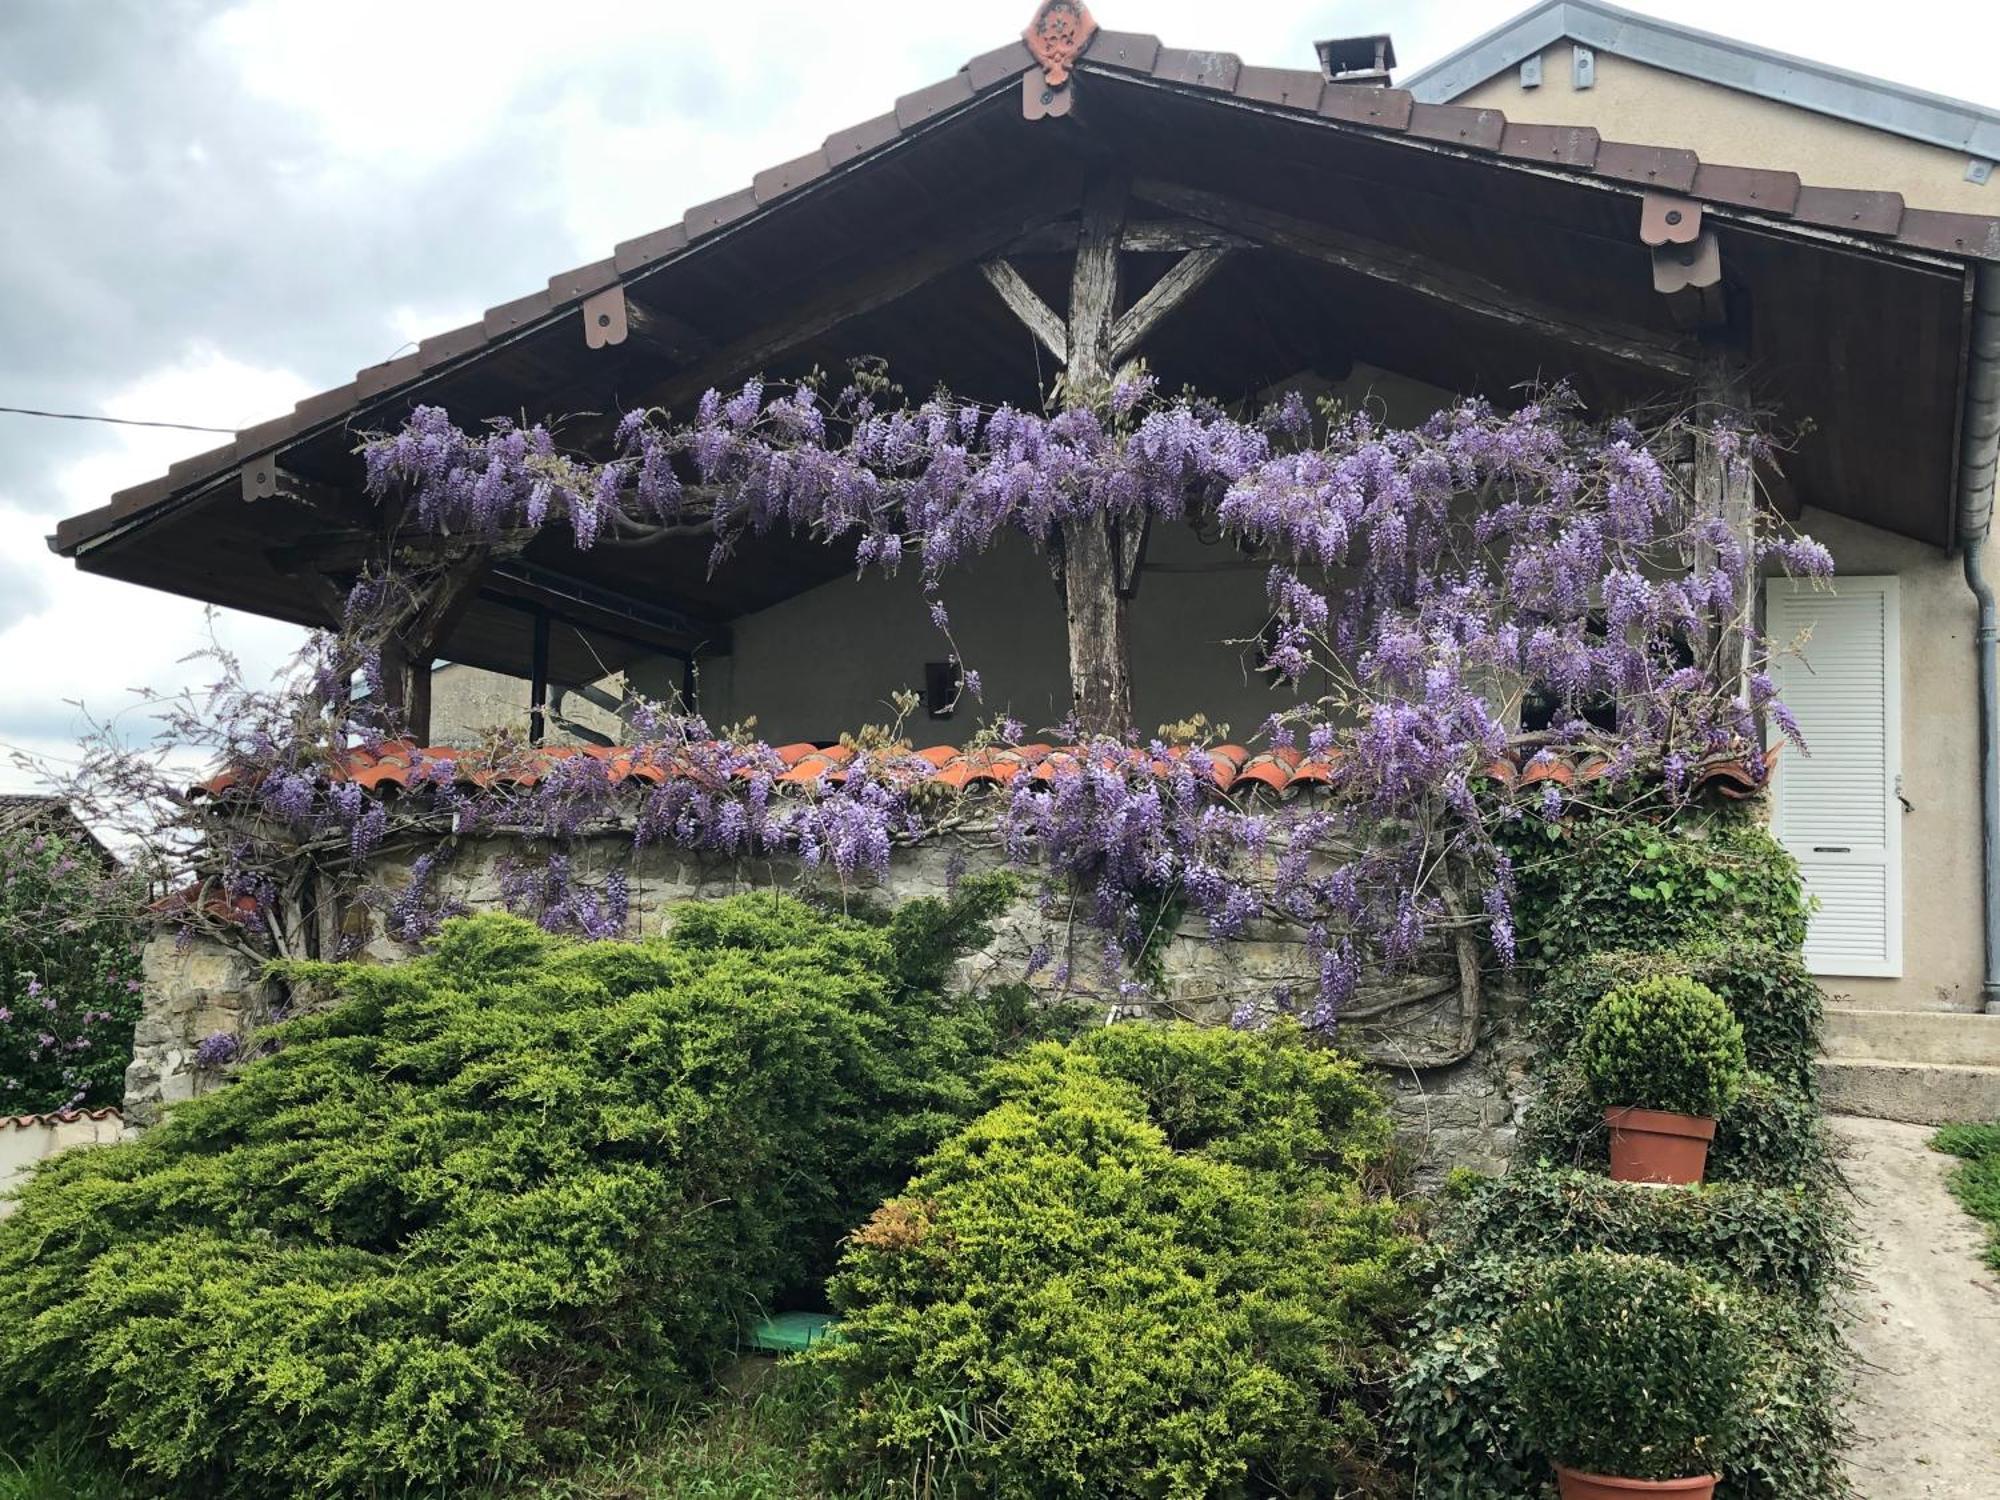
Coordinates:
78	416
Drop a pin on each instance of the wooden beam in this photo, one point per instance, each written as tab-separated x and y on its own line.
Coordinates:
1183	278
1100	654
1148	236
1431	279
1037	315
1726	490
851	299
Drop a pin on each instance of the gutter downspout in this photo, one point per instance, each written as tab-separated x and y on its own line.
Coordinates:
1979	452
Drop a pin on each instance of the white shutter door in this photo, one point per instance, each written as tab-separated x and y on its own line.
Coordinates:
1836	807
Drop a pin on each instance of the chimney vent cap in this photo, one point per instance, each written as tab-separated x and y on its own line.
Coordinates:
1357	59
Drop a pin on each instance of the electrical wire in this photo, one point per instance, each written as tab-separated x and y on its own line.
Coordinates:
78	416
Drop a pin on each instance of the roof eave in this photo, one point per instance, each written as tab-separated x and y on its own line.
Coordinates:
1855	97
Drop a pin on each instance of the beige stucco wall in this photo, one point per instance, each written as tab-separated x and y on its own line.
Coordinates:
1633	101
1940	751
22	1145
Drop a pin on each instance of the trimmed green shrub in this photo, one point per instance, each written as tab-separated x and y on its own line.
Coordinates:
1628	881
1665	1043
1767	989
1627	1365
1064	1305
1461	1430
464	1217
1268	1099
1768	1135
1781	1240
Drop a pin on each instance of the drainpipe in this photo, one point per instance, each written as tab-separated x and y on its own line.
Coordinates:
1979	452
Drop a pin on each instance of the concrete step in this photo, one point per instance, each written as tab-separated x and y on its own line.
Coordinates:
1919	1092
1912	1036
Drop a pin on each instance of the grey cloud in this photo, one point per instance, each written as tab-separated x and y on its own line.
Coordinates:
23	591
120	244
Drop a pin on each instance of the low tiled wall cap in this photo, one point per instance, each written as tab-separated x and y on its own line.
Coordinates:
1391	112
1284	771
61	1117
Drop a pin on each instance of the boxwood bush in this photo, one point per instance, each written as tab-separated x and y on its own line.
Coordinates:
1767	989
465	1215
1664	1043
1462	1430
1150	1270
1627	1365
1769	1135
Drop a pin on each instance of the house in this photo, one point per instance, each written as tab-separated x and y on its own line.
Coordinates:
1273	228
1881	815
35	812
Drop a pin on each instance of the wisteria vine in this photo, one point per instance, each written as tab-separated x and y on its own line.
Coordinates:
1425	585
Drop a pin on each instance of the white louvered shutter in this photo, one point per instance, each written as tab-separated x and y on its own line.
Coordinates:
1836	808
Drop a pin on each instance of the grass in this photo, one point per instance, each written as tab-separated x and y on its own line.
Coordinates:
1975	1181
749	1445
58	1466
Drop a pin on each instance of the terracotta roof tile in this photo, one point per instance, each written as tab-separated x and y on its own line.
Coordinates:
60	1117
775	182
1290	88
579	282
1283	771
1856	210
1457	125
1659	167
1381	109
1391	112
1568	145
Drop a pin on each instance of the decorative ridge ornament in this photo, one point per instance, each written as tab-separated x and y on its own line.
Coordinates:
1057	36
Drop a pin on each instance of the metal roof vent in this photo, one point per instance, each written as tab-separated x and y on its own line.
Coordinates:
1357	59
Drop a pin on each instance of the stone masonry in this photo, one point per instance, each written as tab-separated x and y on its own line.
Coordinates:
1444	1041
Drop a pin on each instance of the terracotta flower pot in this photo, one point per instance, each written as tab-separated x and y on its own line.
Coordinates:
1577	1485
1651	1145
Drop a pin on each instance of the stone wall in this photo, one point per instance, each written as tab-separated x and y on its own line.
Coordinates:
1443	1037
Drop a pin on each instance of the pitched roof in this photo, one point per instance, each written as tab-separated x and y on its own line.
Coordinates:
1397	115
39	811
1876	102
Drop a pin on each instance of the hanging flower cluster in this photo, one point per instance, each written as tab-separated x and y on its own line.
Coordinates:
1428	586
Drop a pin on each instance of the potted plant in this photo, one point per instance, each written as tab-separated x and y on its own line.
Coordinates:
1663	1057
1627	1371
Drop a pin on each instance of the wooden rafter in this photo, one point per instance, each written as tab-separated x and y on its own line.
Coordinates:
1431	279
1035	314
1183	278
1144	236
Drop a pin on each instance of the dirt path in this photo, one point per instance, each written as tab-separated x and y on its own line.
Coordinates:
1927	1325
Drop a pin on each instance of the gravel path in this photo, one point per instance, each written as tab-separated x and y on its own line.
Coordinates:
1927	1325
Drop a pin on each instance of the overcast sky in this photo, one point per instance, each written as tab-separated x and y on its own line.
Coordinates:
212	209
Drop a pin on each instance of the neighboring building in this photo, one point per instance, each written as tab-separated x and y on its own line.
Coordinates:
1334	235
40	813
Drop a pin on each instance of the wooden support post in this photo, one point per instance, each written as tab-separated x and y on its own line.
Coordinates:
1100	654
538	681
1725	489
